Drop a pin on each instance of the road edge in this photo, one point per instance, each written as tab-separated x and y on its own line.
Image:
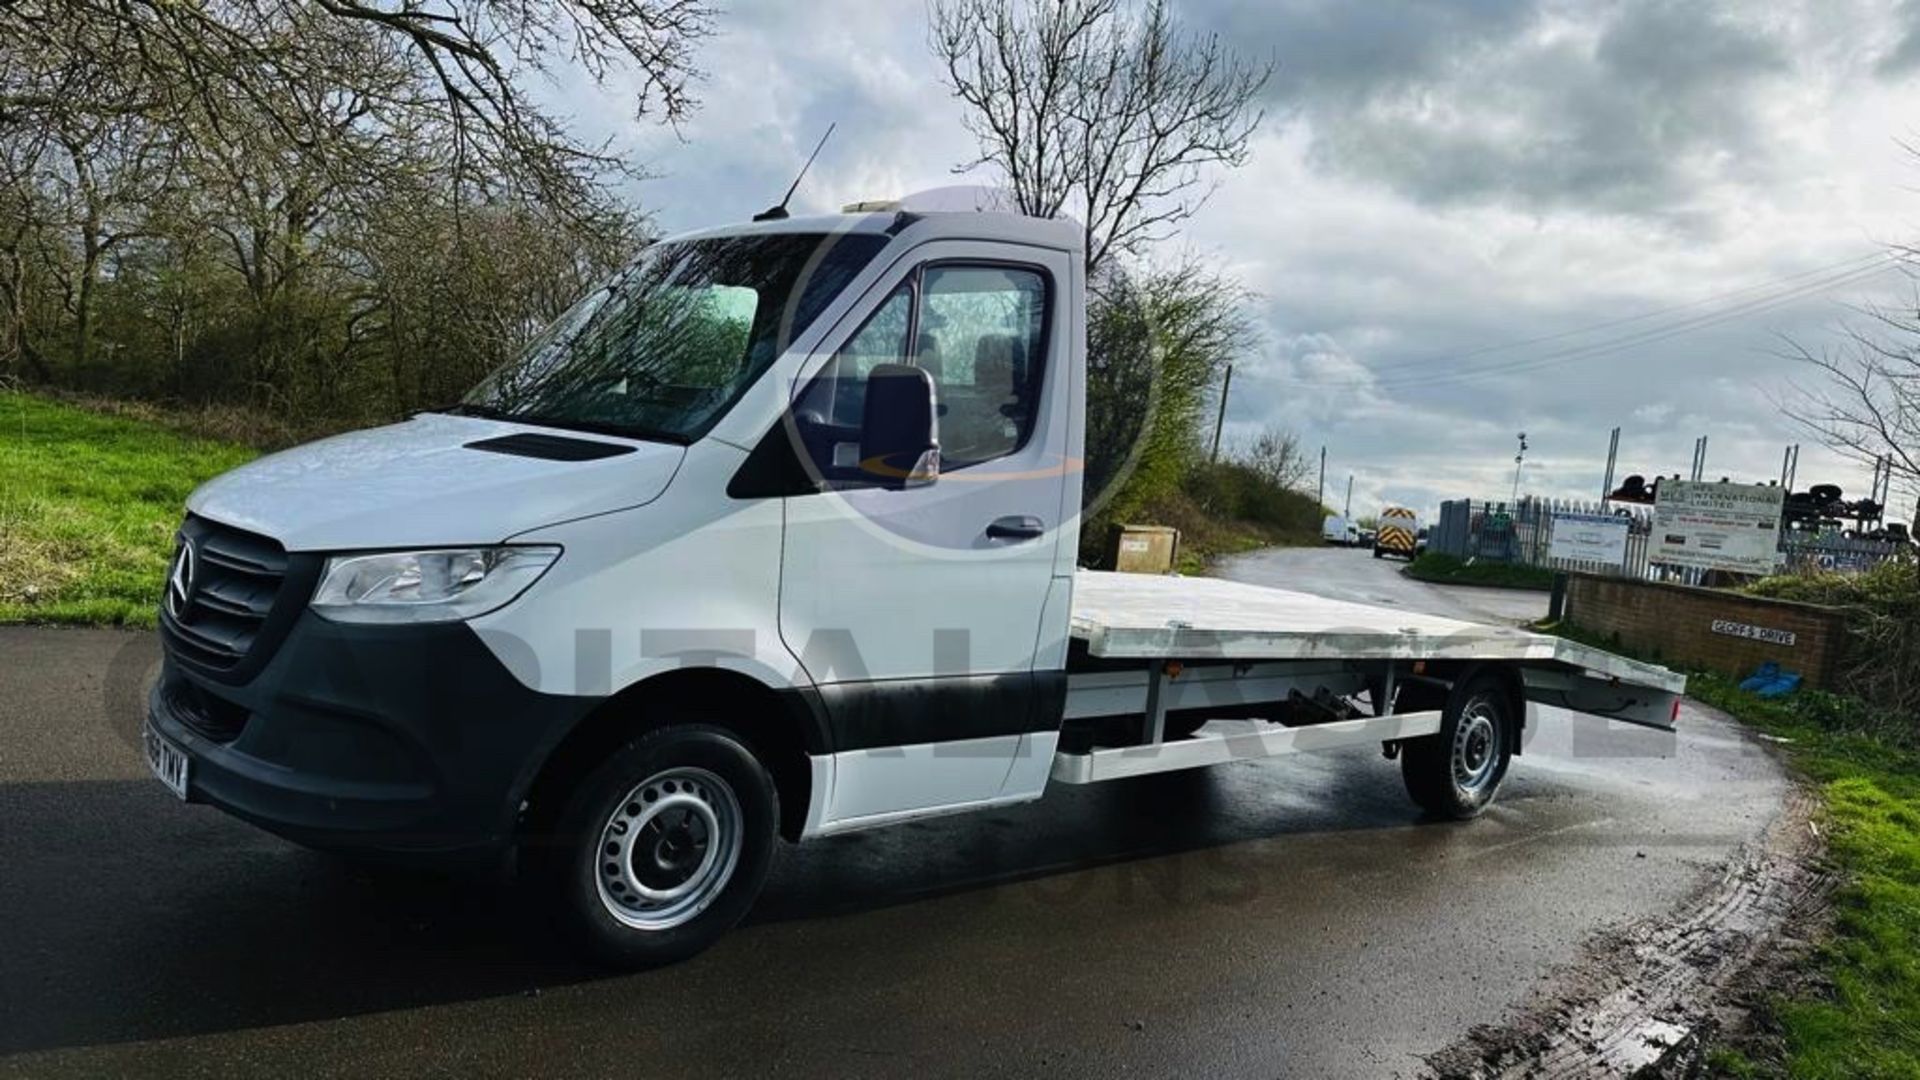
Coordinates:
1651	998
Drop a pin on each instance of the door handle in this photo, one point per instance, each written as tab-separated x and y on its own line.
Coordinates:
1016	527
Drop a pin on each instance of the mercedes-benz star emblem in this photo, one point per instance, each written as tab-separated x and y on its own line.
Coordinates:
180	579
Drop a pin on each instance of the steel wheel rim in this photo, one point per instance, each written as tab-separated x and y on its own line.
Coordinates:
668	849
1476	747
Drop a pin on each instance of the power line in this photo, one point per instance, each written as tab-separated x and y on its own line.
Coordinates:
1711	298
1599	348
1641	337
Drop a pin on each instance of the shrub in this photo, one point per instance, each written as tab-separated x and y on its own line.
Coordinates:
1231	489
1882	667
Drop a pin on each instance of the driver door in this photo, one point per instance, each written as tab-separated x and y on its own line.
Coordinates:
916	610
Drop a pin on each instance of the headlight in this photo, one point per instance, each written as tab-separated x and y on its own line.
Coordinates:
427	586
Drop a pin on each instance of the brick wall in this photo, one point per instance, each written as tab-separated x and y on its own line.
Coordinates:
1676	622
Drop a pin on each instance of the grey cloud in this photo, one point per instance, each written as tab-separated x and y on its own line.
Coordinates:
1325	49
1904	58
1618	108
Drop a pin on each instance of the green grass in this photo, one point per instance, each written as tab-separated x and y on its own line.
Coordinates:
1448	570
1865	764
1198	556
88	508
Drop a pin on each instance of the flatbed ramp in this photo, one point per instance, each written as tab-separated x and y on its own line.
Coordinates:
1152	617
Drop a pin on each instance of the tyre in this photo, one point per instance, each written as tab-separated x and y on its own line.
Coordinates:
1457	772
664	847
1377	553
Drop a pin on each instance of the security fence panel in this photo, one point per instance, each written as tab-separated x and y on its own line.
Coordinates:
1615	539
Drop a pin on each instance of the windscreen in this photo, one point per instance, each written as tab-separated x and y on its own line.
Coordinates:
670	343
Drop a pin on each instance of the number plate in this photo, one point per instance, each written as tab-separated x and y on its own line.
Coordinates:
167	761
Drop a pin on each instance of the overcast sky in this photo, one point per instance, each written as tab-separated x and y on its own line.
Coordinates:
1433	184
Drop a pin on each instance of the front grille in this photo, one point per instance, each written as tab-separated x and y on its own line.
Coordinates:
236	580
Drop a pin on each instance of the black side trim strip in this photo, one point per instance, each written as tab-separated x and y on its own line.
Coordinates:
902	712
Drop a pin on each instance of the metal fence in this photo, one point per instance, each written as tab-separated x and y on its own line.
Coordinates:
1522	533
1803	552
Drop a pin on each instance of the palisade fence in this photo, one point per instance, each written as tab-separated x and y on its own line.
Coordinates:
1522	533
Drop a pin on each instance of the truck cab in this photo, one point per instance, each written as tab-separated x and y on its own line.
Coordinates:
809	486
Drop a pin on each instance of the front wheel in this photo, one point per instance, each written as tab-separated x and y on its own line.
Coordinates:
664	847
1457	772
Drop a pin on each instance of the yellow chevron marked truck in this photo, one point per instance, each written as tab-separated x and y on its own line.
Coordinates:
1397	532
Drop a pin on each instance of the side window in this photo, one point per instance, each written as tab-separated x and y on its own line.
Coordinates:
979	331
982	338
830	409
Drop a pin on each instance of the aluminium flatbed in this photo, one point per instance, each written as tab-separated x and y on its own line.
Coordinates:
1179	672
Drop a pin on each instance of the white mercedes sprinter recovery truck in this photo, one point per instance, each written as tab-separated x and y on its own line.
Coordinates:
773	535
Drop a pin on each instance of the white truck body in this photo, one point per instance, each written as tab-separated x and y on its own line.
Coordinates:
878	637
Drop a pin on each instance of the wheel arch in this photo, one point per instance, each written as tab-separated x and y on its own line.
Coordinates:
1431	695
783	727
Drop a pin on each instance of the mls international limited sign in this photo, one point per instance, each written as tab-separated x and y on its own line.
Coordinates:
1732	527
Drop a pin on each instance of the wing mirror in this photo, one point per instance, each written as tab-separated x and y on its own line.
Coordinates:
899	432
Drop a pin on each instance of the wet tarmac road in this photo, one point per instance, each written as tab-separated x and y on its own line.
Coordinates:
1354	574
1292	917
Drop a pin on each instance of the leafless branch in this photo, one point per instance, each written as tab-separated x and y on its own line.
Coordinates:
1100	109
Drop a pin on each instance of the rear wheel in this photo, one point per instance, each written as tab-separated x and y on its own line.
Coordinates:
664	847
1457	772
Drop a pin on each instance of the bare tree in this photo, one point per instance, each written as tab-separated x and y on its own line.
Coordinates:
1867	407
1100	109
1275	454
207	68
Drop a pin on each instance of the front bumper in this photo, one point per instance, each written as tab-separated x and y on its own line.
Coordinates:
405	740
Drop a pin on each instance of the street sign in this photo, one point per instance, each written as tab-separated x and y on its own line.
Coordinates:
1754	633
1711	526
1595	538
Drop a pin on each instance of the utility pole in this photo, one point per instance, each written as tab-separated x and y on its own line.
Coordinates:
1348	514
1613	455
1699	457
1320	499
1220	420
1518	460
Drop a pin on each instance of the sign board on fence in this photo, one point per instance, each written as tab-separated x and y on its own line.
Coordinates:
1717	526
1596	538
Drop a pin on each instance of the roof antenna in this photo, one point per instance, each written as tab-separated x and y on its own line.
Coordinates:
779	213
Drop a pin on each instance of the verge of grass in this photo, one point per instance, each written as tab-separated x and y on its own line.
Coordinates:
88	507
1205	537
1449	570
1865	764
